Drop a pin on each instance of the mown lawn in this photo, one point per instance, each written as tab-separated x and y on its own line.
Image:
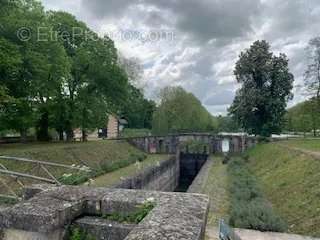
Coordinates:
307	144
291	182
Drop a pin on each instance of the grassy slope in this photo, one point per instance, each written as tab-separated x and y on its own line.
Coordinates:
93	154
90	153
112	178
291	183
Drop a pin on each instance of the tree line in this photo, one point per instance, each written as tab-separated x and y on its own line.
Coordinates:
56	73
180	111
305	117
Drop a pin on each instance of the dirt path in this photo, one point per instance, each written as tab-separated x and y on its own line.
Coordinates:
301	150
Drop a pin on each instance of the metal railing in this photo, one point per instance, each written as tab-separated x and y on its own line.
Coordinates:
18	176
226	232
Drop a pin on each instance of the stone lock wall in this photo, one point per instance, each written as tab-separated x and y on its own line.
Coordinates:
190	165
162	177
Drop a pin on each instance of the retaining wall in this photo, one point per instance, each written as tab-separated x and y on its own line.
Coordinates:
162	177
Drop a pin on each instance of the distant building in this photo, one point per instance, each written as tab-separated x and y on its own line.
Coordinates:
114	126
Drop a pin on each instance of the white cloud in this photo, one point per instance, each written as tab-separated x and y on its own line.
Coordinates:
209	36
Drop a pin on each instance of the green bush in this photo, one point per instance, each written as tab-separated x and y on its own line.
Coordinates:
80	177
249	208
76	233
75	178
263	139
8	201
134	217
195	146
132	132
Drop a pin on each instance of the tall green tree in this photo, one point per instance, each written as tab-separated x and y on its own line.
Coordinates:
227	124
266	84
96	83
303	117
312	74
138	110
180	111
30	69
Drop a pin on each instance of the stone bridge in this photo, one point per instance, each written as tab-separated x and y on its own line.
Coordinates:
213	143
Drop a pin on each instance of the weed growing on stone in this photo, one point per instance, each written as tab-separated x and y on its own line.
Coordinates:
7	201
80	177
135	217
78	234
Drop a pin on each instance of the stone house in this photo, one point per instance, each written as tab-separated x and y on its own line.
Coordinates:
114	126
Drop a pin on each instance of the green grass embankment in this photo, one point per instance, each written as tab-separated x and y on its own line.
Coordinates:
110	179
100	156
290	180
306	144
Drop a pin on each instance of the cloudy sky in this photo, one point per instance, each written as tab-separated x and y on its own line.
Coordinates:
195	43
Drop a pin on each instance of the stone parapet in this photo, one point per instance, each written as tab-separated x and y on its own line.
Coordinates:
47	215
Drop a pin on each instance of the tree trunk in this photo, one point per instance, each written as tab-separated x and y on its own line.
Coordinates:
23	135
69	131
84	122
84	135
60	135
43	130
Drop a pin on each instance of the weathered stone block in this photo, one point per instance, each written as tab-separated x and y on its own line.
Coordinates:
175	216
104	229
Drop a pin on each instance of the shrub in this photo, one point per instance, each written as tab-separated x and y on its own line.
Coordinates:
226	159
80	177
263	139
135	217
75	178
195	146
8	201
249	208
76	233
